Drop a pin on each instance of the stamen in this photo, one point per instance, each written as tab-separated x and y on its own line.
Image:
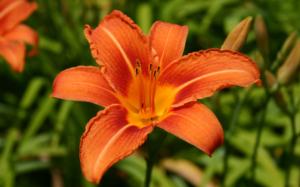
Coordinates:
143	108
138	63
150	68
138	67
139	76
153	79
147	90
158	70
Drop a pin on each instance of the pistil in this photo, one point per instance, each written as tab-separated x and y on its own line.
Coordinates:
152	90
140	82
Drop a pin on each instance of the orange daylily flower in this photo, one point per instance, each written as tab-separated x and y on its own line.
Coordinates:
145	82
13	34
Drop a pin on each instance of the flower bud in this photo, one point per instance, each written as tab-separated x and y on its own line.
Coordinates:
261	35
238	35
290	65
285	49
287	45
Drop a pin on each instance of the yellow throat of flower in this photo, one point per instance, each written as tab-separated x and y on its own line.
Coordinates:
147	101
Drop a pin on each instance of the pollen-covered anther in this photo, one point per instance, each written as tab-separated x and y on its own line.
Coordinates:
157	71
150	68
138	67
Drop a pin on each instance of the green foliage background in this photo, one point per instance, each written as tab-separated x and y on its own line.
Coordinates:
39	135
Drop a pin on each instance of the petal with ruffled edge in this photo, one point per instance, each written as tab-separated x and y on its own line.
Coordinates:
84	83
14	13
107	139
200	74
119	45
25	34
195	124
168	40
14	53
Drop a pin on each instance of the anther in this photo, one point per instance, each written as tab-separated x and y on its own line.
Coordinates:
158	70
154	73
143	107
150	67
138	63
137	67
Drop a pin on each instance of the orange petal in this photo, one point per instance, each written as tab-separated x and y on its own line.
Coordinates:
14	13
6	3
84	83
118	44
25	34
195	124
14	53
200	74
107	139
168	40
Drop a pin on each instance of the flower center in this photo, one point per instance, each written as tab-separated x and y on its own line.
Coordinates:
148	97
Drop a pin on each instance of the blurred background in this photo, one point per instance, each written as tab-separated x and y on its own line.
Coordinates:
39	135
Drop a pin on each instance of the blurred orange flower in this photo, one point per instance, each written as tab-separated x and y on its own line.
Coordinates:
13	34
145	82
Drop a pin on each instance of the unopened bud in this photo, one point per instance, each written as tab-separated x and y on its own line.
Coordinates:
285	49
290	65
238	35
288	43
261	35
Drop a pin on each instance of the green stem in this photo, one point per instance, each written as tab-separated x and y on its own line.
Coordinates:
230	131
153	146
225	162
8	176
261	121
292	147
150	163
63	113
261	124
291	150
237	112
